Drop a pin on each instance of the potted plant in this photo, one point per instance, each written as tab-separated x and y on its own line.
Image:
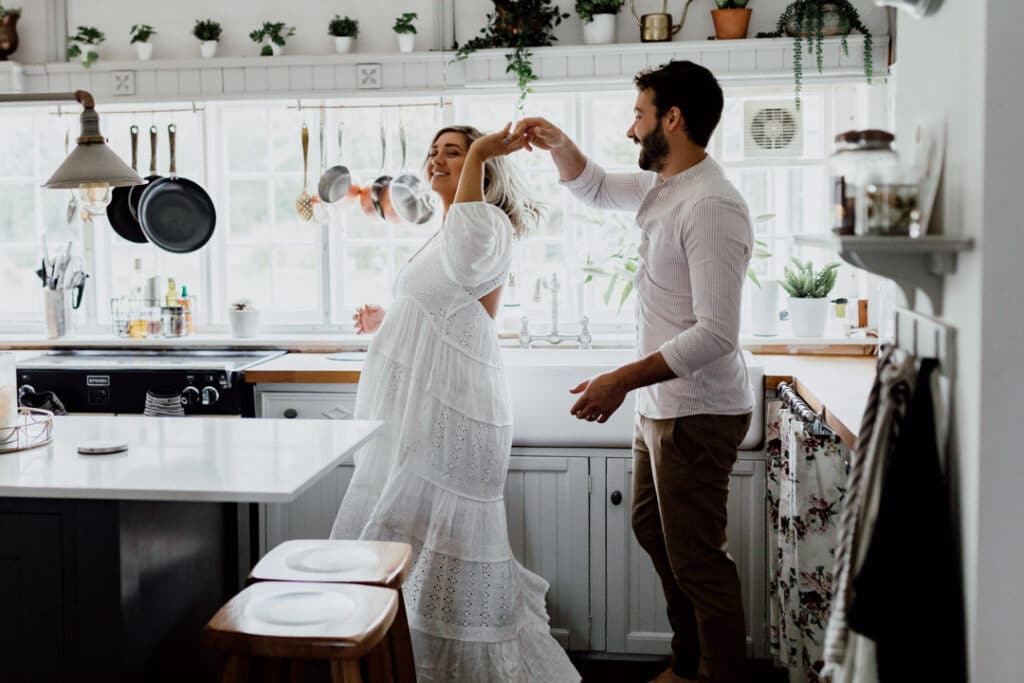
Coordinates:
405	31
140	35
808	296
208	32
812	20
598	20
520	25
244	318
731	19
271	37
85	44
8	31
345	30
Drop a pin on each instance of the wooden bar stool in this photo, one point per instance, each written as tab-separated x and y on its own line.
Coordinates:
376	563
340	623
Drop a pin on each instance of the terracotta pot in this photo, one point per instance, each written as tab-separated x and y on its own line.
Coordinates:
8	35
731	24
831	25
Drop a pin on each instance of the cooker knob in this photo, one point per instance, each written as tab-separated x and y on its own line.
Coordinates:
210	396
189	396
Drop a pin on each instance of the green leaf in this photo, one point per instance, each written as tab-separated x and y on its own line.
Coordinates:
626	291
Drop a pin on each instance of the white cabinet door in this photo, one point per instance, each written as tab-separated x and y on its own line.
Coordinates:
546	500
324	405
636	620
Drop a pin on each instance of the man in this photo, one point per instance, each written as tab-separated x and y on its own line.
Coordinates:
695	399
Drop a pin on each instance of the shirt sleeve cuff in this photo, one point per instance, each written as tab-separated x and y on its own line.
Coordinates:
674	358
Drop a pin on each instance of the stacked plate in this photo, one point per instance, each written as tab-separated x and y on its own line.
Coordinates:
163	404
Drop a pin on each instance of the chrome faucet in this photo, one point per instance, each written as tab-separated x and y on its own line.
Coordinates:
552	337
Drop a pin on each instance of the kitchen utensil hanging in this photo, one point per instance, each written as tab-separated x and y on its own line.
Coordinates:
380	184
135	196
409	194
320	209
72	200
336	181
303	205
119	212
177	214
366	195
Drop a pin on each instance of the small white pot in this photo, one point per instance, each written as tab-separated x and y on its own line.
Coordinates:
84	48
342	44
406	42
275	49
764	308
144	51
244	323
208	48
808	316
599	31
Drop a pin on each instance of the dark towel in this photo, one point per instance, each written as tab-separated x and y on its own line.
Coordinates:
47	400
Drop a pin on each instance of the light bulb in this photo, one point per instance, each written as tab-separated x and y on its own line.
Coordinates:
94	197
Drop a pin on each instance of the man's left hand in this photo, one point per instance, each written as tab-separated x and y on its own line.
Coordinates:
602	396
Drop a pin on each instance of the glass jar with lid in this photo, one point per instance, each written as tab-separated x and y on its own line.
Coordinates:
860	156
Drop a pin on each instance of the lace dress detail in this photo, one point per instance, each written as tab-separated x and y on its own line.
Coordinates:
435	478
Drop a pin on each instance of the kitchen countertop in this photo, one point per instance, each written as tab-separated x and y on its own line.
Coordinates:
207	459
836	386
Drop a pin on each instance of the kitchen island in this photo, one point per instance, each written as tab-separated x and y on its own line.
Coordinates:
111	564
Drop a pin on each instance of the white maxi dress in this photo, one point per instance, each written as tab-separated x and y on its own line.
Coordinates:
435	478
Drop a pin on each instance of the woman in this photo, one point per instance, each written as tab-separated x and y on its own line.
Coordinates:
436	477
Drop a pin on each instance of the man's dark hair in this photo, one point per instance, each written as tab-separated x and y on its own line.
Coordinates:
691	88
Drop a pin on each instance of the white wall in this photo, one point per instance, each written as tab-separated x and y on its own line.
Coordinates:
965	61
174	21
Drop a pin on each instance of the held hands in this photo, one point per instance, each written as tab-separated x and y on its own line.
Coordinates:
602	396
368	318
540	133
497	144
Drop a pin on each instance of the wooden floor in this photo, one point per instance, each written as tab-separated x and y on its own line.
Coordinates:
618	671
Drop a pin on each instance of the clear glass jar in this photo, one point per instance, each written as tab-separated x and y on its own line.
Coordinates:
860	156
173	321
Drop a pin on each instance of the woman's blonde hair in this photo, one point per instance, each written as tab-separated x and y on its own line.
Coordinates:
503	185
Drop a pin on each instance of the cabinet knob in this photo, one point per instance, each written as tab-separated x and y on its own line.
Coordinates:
616	497
291	413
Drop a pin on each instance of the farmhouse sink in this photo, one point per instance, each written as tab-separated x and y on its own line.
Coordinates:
540	379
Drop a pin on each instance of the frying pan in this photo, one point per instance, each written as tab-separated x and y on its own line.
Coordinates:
335	181
381	182
135	196
409	195
119	211
176	214
367	198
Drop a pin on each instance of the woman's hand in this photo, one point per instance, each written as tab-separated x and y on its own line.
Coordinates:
496	144
368	318
540	133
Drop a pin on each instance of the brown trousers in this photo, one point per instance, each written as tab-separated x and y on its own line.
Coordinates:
681	473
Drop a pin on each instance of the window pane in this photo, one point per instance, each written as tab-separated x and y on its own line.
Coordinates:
608	119
365	276
250	276
23	291
245	135
297	279
17	149
247	201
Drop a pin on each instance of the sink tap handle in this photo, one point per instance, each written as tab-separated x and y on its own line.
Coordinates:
524	333
584	336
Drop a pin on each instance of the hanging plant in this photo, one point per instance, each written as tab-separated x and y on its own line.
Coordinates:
84	45
520	25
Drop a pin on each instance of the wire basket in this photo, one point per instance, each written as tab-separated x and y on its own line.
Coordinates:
33	429
144	318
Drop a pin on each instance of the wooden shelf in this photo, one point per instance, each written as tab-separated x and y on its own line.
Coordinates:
912	263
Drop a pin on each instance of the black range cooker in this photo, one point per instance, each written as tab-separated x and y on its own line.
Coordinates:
114	381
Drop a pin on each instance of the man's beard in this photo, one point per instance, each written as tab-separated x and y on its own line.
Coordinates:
653	150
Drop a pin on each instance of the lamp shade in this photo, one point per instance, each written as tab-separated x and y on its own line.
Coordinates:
91	164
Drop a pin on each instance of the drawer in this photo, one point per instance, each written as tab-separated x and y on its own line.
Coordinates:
327	405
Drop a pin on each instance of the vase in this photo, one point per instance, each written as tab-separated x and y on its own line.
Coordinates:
831	22
275	49
342	44
764	309
808	316
599	31
731	24
8	35
406	42
144	51
244	323
208	48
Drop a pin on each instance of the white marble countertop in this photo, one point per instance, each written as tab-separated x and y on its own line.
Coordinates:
210	459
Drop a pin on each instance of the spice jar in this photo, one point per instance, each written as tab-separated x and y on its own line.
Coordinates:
173	321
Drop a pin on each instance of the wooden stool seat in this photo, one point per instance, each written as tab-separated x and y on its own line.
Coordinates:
378	563
338	622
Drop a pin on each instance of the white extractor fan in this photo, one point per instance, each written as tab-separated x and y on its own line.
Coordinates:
771	129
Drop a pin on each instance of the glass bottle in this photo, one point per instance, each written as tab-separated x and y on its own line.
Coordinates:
138	326
171	298
186	305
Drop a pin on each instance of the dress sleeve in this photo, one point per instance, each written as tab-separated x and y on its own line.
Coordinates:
476	243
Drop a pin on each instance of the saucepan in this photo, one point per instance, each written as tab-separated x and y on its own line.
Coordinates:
335	181
378	191
366	196
409	194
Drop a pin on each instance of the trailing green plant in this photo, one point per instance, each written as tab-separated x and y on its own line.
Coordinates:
520	25
586	9
809	18
731	4
801	282
206	29
403	24
13	11
343	27
88	36
141	33
274	31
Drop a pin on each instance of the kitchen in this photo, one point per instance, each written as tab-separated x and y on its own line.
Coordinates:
238	126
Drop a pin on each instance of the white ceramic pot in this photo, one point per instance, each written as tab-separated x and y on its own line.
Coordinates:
808	316
406	42
599	31
342	44
764	308
208	48
144	51
84	51
275	49
244	323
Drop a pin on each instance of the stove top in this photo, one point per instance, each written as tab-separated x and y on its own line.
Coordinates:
99	360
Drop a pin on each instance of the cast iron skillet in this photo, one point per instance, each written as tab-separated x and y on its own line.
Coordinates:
118	211
176	214
135	196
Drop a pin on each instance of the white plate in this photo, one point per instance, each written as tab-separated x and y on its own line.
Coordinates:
102	447
302	608
331	560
